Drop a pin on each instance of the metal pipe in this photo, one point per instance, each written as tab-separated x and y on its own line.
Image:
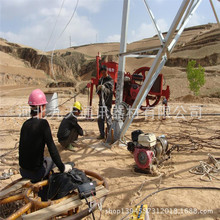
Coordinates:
20	212
174	41
123	46
12	198
160	35
98	58
117	124
176	21
136	55
188	11
213	8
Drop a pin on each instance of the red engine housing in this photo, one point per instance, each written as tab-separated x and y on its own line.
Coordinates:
134	91
143	157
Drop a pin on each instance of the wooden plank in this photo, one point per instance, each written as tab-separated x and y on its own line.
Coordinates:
55	209
13	188
52	211
64	206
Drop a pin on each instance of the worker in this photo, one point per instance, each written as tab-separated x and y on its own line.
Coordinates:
35	133
105	92
69	128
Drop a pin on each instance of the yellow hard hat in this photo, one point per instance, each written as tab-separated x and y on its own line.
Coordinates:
78	106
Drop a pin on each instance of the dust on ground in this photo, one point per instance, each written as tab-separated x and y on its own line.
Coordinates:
190	126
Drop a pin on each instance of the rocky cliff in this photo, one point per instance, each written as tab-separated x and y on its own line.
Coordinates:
22	64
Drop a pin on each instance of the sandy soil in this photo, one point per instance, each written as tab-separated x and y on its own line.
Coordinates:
197	136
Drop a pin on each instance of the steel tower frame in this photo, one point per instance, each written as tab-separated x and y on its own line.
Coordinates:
167	44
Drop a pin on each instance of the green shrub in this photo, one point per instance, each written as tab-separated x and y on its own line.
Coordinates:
195	76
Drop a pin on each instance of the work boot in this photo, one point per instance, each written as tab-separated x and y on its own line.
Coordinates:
70	147
100	137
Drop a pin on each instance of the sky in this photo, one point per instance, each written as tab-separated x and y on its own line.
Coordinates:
47	24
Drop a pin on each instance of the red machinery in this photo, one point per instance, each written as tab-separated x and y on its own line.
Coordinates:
132	84
149	150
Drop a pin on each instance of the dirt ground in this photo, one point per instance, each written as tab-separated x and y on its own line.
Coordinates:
190	126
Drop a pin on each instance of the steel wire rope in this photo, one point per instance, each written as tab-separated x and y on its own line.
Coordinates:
200	142
74	11
51	33
72	97
11	150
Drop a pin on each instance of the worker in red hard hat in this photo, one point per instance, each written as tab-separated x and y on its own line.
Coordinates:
69	129
35	133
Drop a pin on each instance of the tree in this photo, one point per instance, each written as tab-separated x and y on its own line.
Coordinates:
195	76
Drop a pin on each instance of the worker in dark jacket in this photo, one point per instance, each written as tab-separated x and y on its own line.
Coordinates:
69	128
35	134
105	92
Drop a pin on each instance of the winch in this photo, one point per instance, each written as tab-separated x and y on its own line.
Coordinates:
149	150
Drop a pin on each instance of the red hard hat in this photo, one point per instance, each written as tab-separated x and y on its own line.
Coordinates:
37	97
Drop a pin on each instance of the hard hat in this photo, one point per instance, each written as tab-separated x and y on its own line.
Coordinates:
37	97
78	106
